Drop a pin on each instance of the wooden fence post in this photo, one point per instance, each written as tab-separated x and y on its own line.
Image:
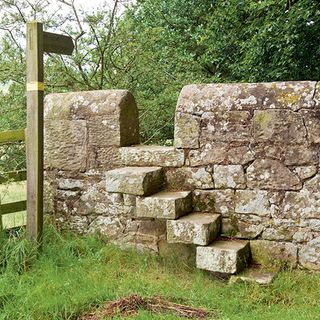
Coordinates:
34	141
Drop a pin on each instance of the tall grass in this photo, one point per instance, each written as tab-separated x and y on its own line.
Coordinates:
73	274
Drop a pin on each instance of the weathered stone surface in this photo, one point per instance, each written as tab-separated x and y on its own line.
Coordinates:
278	126
199	98
195	228
134	180
305	172
253	202
189	178
103	158
272	253
164	205
225	126
186	131
231	176
271	174
240	155
213	153
249	226
218	201
112	115
309	254
65	145
152	156
255	275
312	123
224	256
228	227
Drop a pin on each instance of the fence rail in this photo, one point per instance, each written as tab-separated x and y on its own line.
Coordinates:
7	137
12	136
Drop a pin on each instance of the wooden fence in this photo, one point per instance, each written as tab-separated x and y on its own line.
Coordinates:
8	137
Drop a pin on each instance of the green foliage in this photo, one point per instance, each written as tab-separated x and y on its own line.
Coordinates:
75	274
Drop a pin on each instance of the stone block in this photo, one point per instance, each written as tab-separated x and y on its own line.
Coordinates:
189	178
312	123
213	153
218	201
273	253
278	126
240	155
305	172
140	155
65	145
309	254
271	174
227	257
139	181
254	275
231	176
253	202
164	205
103	158
112	115
292	95
225	126
195	228
186	131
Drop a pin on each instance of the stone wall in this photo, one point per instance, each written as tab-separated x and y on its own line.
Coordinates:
247	151
84	132
252	154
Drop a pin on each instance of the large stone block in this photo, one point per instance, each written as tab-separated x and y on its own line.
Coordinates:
271	174
283	126
134	180
164	205
189	178
195	228
103	158
186	131
309	254
65	145
112	115
200	98
273	253
218	201
240	155
312	123
224	256
231	176
225	126
211	153
141	155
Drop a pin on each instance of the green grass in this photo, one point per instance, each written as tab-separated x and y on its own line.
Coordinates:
11	192
75	273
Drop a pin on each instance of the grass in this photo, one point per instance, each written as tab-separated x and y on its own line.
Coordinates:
11	192
74	274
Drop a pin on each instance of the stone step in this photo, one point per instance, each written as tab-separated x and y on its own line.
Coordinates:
140	155
224	256
195	228
140	181
165	205
256	275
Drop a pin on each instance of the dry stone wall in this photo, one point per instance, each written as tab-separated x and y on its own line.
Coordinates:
84	133
249	152
252	154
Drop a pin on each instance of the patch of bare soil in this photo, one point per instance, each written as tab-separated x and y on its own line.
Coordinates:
129	306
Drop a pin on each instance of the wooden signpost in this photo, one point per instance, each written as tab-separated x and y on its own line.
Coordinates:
38	42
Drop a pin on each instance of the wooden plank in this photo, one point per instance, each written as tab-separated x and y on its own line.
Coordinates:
7	208
57	43
34	141
14	176
12	136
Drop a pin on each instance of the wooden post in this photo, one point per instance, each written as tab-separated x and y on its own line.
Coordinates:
34	141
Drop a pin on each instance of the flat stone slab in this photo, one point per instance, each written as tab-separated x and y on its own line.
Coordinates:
140	181
141	155
254	275
224	256
195	228
165	205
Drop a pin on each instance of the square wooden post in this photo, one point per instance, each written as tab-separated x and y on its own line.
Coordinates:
34	140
